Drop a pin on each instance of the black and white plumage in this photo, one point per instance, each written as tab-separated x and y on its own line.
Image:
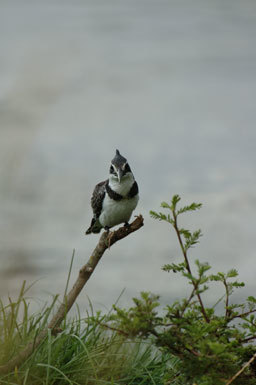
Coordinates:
114	199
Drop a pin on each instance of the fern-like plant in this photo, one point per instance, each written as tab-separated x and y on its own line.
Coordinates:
211	346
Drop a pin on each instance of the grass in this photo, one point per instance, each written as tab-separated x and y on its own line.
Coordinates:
82	353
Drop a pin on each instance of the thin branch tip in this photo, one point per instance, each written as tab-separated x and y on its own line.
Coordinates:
114	236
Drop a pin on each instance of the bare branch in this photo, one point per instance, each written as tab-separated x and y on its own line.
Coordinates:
106	240
241	370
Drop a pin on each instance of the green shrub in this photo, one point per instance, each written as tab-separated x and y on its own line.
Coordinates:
211	347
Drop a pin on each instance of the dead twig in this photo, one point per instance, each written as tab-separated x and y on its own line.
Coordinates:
106	240
241	370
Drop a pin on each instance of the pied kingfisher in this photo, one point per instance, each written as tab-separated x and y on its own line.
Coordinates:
114	199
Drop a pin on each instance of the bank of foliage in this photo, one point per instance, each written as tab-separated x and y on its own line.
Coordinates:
211	345
82	352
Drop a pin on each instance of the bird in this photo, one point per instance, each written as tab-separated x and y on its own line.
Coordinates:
114	199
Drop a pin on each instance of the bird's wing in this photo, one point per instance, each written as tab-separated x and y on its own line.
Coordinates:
97	198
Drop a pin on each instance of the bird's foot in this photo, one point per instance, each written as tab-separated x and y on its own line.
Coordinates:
126	225
106	228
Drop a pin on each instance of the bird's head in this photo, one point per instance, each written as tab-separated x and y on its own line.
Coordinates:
119	168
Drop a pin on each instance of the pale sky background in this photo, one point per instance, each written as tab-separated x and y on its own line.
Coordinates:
172	85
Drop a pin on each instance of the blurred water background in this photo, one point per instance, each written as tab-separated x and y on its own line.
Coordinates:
172	85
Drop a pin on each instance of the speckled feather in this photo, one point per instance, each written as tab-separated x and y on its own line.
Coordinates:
97	197
96	203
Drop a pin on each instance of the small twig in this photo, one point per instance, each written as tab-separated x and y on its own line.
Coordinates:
188	300
241	370
175	225
114	329
227	311
245	340
241	315
106	240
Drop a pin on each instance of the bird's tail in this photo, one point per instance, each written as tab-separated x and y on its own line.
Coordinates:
88	231
95	227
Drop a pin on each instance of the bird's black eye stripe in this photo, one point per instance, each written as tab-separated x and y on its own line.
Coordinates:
127	168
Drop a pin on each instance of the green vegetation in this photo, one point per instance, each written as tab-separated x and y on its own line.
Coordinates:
84	352
211	346
184	343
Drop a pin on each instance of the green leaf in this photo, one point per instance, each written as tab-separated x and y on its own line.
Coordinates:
159	216
170	220
194	206
215	277
186	233
193	239
174	267
216	347
251	299
175	199
165	205
238	284
232	273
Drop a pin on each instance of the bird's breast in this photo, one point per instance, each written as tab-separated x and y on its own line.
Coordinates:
116	212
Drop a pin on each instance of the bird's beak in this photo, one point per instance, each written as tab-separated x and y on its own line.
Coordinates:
119	174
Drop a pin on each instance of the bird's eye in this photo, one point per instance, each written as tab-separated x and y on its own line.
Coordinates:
127	168
112	171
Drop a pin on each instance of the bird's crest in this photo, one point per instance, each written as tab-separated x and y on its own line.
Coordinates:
118	160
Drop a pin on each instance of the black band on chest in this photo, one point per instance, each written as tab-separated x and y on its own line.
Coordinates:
117	197
134	190
112	194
